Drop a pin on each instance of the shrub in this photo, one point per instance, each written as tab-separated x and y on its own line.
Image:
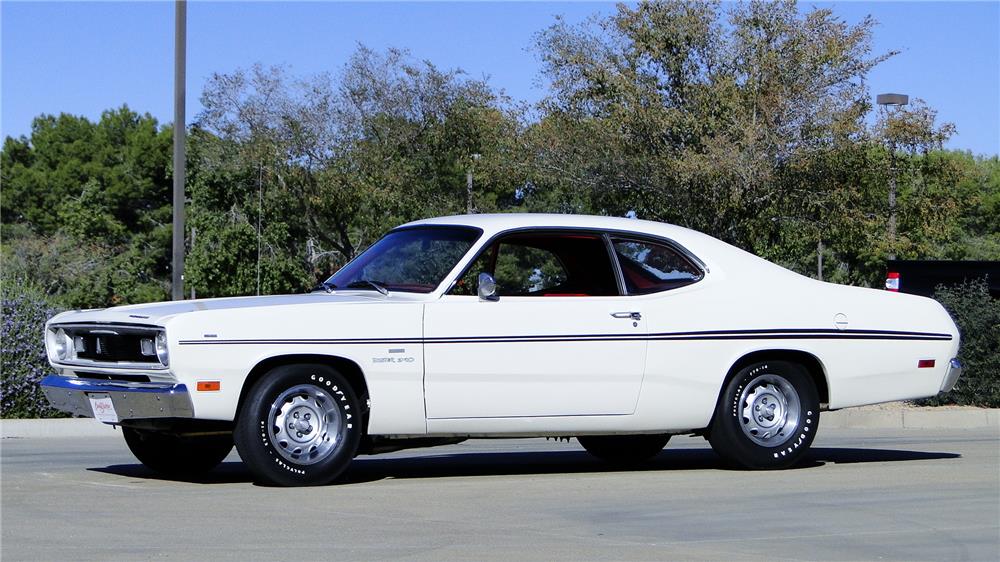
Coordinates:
978	317
22	354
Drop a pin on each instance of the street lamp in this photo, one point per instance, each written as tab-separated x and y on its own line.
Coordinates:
887	101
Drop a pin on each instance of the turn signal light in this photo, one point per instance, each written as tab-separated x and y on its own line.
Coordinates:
925	363
209	386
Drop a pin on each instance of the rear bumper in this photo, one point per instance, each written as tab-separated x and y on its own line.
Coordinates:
951	377
132	400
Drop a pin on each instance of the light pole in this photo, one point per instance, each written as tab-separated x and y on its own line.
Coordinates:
180	56
887	101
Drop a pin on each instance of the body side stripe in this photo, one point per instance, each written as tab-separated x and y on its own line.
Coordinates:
795	333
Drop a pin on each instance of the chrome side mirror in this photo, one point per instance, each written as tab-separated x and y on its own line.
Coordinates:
487	288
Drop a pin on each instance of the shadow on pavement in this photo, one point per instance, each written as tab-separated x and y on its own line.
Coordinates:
225	473
452	465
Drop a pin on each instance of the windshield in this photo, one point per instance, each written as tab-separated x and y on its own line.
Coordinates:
411	259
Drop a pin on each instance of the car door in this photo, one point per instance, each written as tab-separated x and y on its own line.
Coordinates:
559	341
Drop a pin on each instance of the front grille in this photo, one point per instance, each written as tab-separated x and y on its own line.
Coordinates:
107	347
112	344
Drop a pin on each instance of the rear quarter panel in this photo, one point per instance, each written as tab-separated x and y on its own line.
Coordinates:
685	374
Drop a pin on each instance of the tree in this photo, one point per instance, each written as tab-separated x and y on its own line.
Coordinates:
700	118
94	191
321	166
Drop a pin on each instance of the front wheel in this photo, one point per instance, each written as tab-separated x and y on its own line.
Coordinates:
624	449
176	455
767	416
300	426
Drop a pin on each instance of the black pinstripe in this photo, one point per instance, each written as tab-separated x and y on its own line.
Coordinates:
776	334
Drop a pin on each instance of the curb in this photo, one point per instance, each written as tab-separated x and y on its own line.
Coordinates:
850	418
60	427
911	418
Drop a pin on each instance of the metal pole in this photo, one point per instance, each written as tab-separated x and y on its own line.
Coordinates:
180	41
470	208
887	101
892	200
468	191
194	234
819	259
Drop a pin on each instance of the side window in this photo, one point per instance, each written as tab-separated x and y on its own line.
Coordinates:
650	268
547	264
524	271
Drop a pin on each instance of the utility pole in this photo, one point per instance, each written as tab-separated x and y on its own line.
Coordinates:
180	133
887	101
469	207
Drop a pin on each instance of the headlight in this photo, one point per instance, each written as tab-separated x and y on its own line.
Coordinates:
161	348
63	345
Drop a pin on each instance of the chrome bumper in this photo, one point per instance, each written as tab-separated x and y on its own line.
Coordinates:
132	400
954	371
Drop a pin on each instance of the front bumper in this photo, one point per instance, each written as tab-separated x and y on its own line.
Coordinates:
132	400
951	377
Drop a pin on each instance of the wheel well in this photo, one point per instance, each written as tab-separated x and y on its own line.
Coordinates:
807	360
350	370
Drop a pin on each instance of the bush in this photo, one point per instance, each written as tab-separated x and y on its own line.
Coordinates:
22	354
978	317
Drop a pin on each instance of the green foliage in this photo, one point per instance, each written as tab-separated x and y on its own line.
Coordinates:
978	319
86	210
22	354
324	165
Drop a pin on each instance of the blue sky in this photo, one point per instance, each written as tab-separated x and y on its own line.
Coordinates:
83	58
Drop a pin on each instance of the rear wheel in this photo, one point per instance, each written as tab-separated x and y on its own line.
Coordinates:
176	455
624	449
766	416
300	426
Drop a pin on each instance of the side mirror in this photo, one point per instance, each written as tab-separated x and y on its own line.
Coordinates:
487	288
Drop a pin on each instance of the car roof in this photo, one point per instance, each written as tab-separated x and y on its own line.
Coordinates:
492	223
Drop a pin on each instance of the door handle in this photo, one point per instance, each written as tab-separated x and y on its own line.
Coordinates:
631	315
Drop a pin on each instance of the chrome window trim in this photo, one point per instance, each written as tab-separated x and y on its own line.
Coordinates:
604	233
598	232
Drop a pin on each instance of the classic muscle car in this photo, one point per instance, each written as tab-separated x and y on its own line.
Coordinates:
617	331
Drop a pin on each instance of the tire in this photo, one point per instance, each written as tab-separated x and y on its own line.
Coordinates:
300	426
624	449
173	455
783	398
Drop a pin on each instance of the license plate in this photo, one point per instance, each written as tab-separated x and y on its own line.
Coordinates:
104	408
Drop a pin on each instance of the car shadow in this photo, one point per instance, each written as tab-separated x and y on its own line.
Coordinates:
472	464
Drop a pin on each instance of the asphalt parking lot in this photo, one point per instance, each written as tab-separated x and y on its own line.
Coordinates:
863	494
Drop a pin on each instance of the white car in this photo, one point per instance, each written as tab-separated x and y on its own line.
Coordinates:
620	332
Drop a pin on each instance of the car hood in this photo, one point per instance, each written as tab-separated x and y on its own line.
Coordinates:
157	313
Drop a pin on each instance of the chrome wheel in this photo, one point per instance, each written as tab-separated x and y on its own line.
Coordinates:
770	410
305	424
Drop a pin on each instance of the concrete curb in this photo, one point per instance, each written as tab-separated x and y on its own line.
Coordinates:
911	418
62	427
850	418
